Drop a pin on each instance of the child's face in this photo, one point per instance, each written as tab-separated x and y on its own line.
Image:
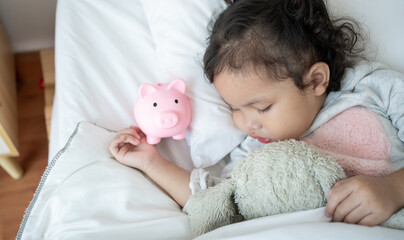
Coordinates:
268	109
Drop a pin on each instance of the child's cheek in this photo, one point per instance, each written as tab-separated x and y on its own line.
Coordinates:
238	120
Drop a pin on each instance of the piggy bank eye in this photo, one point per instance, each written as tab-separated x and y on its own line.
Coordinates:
155	104
176	101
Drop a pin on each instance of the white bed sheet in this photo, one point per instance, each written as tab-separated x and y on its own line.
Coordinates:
101	46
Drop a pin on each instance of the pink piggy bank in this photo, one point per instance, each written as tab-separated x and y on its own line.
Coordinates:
162	110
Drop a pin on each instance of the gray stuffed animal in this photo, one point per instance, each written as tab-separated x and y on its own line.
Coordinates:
280	177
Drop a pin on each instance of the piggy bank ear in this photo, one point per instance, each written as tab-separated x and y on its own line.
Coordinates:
177	84
145	89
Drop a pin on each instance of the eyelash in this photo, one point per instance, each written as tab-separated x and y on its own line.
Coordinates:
232	109
259	110
265	109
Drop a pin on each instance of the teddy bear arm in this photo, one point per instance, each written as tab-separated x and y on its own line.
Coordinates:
327	171
212	208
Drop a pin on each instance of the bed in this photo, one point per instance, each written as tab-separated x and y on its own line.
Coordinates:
104	51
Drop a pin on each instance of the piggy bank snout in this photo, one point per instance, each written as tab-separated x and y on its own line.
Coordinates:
167	119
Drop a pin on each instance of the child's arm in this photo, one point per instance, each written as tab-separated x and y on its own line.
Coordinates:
366	200
130	148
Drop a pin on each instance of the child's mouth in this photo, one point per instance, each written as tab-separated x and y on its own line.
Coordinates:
262	140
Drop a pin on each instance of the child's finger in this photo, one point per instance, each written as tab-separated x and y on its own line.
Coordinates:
368	220
338	193
114	145
344	209
356	214
118	142
130	131
130	139
138	130
122	151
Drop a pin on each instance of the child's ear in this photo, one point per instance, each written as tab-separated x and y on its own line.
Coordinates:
319	77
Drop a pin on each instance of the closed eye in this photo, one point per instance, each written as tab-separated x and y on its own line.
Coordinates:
265	109
233	109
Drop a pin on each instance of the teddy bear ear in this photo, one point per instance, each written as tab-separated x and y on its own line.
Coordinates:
212	208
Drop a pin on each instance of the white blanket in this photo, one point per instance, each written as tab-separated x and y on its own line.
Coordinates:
85	194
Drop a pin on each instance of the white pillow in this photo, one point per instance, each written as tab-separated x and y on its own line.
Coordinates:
86	194
180	31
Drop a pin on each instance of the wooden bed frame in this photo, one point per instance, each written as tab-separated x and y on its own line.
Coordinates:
8	108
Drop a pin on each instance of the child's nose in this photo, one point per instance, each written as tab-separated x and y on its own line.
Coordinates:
253	124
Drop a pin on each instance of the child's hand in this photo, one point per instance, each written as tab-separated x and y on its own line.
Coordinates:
362	200
129	147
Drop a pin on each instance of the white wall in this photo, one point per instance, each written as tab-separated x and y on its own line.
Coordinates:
384	20
30	24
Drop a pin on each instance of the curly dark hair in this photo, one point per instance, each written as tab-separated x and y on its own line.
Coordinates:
286	37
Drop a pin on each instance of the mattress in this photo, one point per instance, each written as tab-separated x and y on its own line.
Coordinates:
104	50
